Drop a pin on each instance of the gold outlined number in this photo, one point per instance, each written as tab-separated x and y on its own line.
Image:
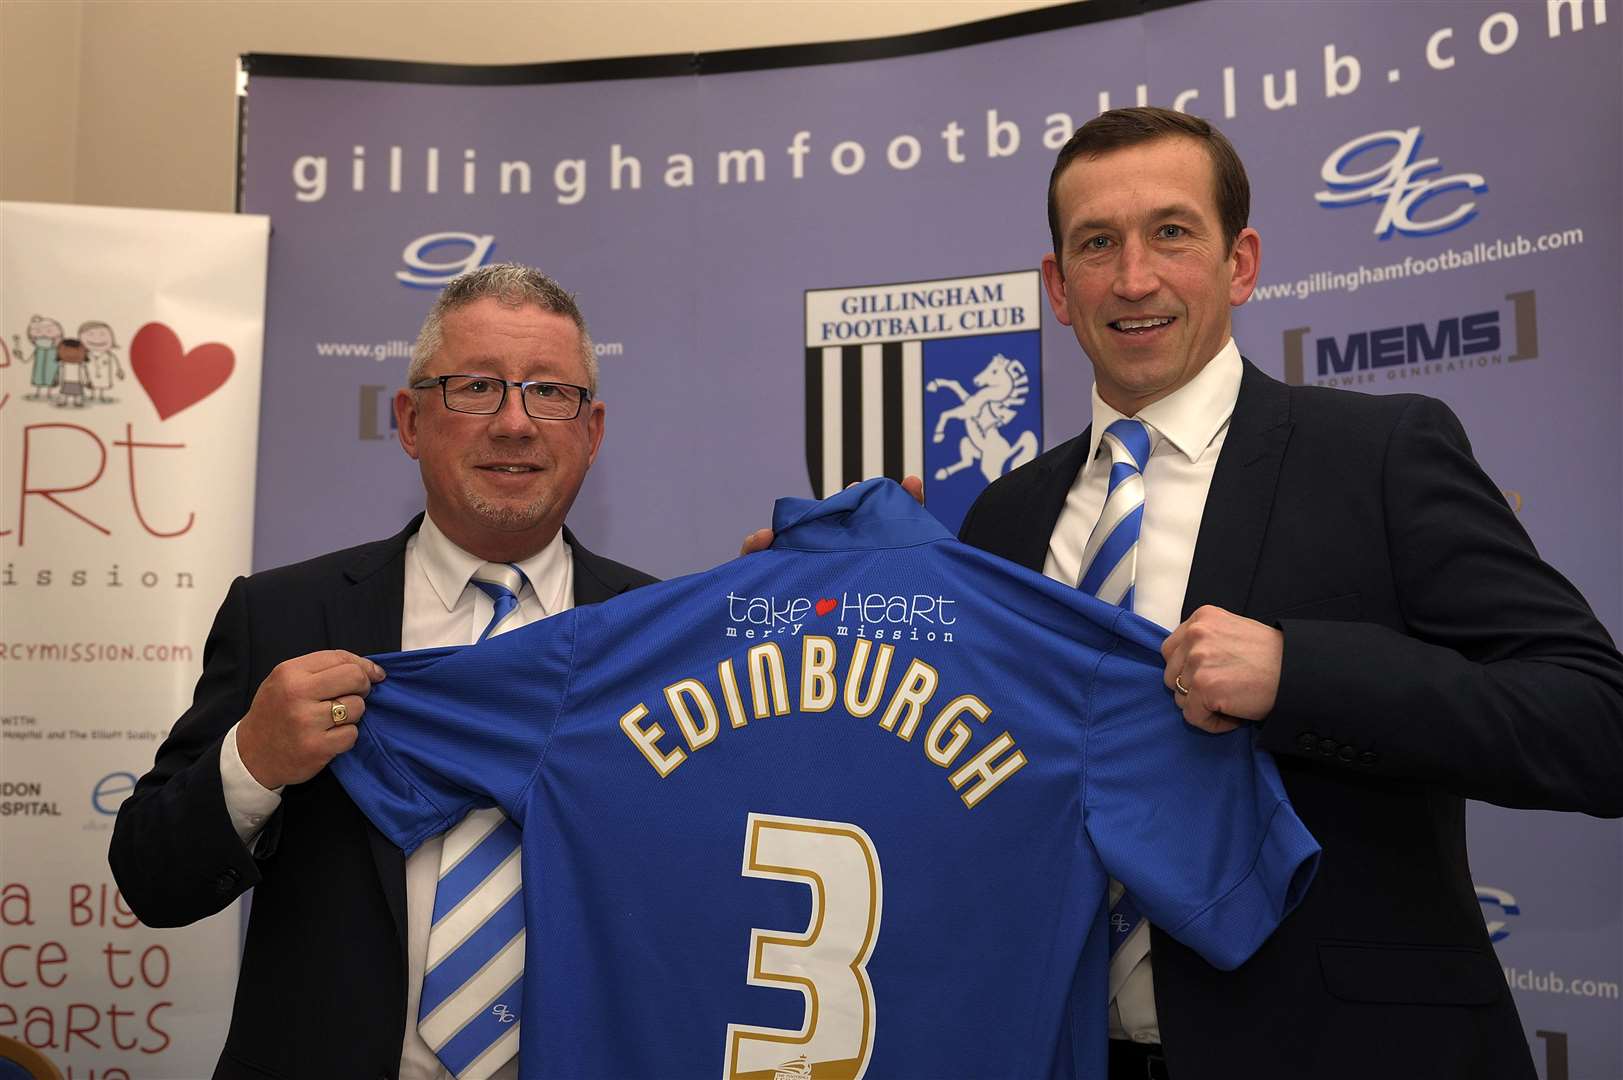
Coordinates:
827	962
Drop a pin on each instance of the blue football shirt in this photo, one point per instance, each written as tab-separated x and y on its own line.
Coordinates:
845	807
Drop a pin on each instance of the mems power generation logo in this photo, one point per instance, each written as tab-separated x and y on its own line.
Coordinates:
1459	342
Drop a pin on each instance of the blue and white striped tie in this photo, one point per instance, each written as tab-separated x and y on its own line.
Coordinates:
502	582
1110	560
474	979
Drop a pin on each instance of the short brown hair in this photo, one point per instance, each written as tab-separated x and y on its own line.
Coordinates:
511	285
1120	128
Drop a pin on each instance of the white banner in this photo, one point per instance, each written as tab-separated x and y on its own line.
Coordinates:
129	405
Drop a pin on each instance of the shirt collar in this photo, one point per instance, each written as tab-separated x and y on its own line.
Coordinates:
873	514
449	568
1190	417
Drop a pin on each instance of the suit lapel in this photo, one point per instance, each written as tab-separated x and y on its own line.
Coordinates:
1241	496
593	581
364	617
1031	534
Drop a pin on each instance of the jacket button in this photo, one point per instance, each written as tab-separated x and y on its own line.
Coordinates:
1327	747
1307	740
1347	754
226	880
1368	757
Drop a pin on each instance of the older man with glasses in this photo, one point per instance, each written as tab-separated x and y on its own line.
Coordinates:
350	965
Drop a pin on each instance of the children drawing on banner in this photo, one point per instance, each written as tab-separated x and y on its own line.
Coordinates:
71	372
45	335
102	351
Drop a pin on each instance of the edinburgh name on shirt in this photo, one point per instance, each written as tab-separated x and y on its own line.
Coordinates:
691	704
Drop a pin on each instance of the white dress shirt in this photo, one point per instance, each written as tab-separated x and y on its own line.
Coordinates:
1187	428
440	608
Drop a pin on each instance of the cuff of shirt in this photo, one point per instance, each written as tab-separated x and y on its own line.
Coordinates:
248	803
1228	932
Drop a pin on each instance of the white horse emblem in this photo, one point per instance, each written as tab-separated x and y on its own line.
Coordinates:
1004	387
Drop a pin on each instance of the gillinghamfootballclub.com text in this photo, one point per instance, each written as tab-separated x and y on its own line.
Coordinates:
1354	278
1549	982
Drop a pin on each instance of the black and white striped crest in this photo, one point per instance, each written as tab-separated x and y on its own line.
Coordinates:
864	413
937	379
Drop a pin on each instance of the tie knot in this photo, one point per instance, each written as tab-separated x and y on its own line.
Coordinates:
502	582
1129	443
496	579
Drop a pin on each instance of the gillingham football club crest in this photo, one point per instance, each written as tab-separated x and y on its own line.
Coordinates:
939	379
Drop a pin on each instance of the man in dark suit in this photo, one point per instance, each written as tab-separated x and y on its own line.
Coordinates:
1347	586
240	797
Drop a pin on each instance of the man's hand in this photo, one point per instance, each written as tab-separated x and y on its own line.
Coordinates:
1228	665
761	539
288	735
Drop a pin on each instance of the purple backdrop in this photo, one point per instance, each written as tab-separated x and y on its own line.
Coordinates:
1435	185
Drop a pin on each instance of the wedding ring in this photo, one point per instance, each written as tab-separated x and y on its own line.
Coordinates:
1177	680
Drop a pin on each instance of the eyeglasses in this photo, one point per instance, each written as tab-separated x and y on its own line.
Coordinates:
484	395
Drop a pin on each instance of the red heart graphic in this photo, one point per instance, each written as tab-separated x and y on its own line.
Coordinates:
826	605
175	379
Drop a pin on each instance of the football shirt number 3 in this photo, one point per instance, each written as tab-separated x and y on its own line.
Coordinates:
827	962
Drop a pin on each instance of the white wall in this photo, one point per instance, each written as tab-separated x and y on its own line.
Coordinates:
131	102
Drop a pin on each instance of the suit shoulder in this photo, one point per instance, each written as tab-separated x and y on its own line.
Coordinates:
331	566
1333	399
1348	415
597	577
619	575
1018	484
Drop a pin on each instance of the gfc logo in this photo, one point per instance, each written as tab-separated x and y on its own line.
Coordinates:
1402	182
1496	903
432	261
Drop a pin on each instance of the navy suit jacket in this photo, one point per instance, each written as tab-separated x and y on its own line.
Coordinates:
322	990
1430	657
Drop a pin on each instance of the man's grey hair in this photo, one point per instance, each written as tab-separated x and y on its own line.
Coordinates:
511	285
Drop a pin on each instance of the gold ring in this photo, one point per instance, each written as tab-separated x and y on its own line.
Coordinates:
1177	680
340	713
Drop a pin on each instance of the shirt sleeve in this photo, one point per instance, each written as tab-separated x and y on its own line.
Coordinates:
246	800
1196	826
454	729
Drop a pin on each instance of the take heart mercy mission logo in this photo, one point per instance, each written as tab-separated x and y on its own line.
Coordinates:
174	377
880	616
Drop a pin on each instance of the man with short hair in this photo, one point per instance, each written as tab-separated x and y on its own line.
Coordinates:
502	416
1349	587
